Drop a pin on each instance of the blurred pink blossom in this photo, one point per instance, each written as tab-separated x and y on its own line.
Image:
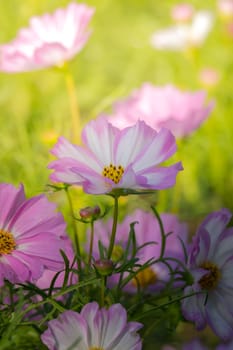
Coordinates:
50	39
179	111
147	230
209	77
225	7
182	12
230	29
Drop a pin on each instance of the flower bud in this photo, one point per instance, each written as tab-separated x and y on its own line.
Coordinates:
90	212
104	266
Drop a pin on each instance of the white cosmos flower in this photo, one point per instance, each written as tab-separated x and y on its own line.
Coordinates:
181	36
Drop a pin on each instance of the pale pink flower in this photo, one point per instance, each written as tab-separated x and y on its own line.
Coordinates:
163	106
211	265
30	236
49	40
116	159
225	7
181	36
182	12
209	77
93	328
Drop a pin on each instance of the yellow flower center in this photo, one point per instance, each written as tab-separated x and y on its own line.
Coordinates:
144	278
96	348
7	242
117	252
211	279
113	172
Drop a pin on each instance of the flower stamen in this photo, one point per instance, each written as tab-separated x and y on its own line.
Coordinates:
144	278
113	172
7	242
210	280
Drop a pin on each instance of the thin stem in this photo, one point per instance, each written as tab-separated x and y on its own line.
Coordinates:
74	108
102	290
77	244
91	243
146	313
163	235
114	227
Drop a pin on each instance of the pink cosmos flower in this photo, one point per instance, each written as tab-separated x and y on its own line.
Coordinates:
45	280
179	111
147	230
30	236
211	265
93	328
182	12
49	40
225	7
113	158
209	77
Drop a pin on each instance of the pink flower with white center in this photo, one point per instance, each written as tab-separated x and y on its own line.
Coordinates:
51	39
211	265
93	328
163	107
116	159
147	229
182	36
30	236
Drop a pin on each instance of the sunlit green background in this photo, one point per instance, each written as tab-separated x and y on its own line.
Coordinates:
34	106
117	59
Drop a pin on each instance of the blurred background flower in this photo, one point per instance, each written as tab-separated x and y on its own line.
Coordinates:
155	276
163	107
51	39
183	36
182	12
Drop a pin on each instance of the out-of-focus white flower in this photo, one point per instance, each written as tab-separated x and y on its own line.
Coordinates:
181	36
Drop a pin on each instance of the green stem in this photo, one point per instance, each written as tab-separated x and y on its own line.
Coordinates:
102	290
163	235
114	227
74	108
76	236
175	300
91	243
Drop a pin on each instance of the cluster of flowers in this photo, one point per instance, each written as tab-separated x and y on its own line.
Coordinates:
89	285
